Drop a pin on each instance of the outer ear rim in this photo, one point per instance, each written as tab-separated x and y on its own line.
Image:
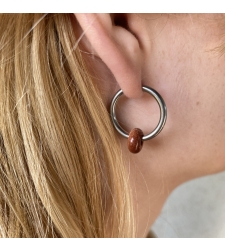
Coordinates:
110	42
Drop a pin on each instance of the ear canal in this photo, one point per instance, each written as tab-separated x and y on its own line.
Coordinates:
120	20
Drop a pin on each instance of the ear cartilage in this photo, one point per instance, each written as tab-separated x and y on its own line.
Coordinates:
136	136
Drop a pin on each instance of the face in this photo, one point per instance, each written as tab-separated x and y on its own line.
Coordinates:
183	63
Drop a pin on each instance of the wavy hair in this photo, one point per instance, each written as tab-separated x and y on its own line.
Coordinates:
61	167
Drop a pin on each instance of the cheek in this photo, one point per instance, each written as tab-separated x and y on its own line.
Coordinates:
193	140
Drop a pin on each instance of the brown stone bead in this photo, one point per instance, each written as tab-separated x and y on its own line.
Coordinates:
135	141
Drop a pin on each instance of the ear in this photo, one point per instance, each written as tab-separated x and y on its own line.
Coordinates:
117	46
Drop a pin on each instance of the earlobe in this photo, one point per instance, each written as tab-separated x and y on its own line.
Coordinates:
117	46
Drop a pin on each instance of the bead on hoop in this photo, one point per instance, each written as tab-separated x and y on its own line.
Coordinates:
162	120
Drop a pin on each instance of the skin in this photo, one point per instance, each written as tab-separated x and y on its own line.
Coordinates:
181	59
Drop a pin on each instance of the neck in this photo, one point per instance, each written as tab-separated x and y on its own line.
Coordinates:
151	185
149	199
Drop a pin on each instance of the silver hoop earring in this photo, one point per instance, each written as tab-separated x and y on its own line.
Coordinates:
136	136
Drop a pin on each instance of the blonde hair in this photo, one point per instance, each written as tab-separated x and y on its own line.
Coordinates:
61	168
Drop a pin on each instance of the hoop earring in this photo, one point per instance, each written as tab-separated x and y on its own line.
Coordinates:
136	136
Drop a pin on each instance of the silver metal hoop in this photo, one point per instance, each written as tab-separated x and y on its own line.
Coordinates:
162	107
